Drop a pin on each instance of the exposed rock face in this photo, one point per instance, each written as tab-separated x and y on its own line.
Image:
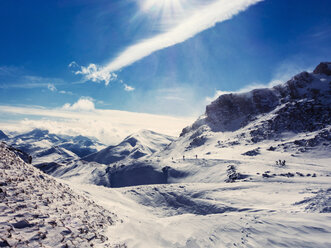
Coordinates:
323	68
228	112
23	155
301	104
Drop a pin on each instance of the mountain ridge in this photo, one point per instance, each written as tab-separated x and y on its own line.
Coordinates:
229	112
137	145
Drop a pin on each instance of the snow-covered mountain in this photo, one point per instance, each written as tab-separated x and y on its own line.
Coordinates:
300	105
46	147
253	171
137	145
287	122
38	211
294	117
99	168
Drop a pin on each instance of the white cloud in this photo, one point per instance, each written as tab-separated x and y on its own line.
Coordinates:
51	87
65	92
73	64
83	104
95	73
128	88
200	19
109	126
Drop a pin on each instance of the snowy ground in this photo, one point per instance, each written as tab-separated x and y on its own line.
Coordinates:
228	196
290	207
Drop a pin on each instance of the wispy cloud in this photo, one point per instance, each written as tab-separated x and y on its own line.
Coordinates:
66	92
51	87
17	78
199	20
128	88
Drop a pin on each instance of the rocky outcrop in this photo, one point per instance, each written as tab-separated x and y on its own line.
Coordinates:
38	211
301	104
23	155
323	68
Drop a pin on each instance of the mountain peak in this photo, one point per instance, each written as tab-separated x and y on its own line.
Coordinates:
3	136
139	144
323	68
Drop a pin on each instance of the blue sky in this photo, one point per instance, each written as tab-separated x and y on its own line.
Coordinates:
209	46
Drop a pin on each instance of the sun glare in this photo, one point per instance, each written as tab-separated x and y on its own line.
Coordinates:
162	9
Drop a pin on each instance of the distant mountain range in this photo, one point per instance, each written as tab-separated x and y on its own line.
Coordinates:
44	146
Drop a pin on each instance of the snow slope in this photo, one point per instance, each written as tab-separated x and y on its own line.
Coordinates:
38	211
256	214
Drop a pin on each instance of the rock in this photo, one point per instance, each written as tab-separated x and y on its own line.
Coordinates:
4	243
323	68
254	152
233	175
22	224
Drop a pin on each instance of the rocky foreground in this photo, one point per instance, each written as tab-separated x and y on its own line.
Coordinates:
38	211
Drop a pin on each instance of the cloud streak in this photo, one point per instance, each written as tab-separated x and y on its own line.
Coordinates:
201	19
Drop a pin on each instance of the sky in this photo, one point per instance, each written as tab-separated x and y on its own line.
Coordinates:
154	64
